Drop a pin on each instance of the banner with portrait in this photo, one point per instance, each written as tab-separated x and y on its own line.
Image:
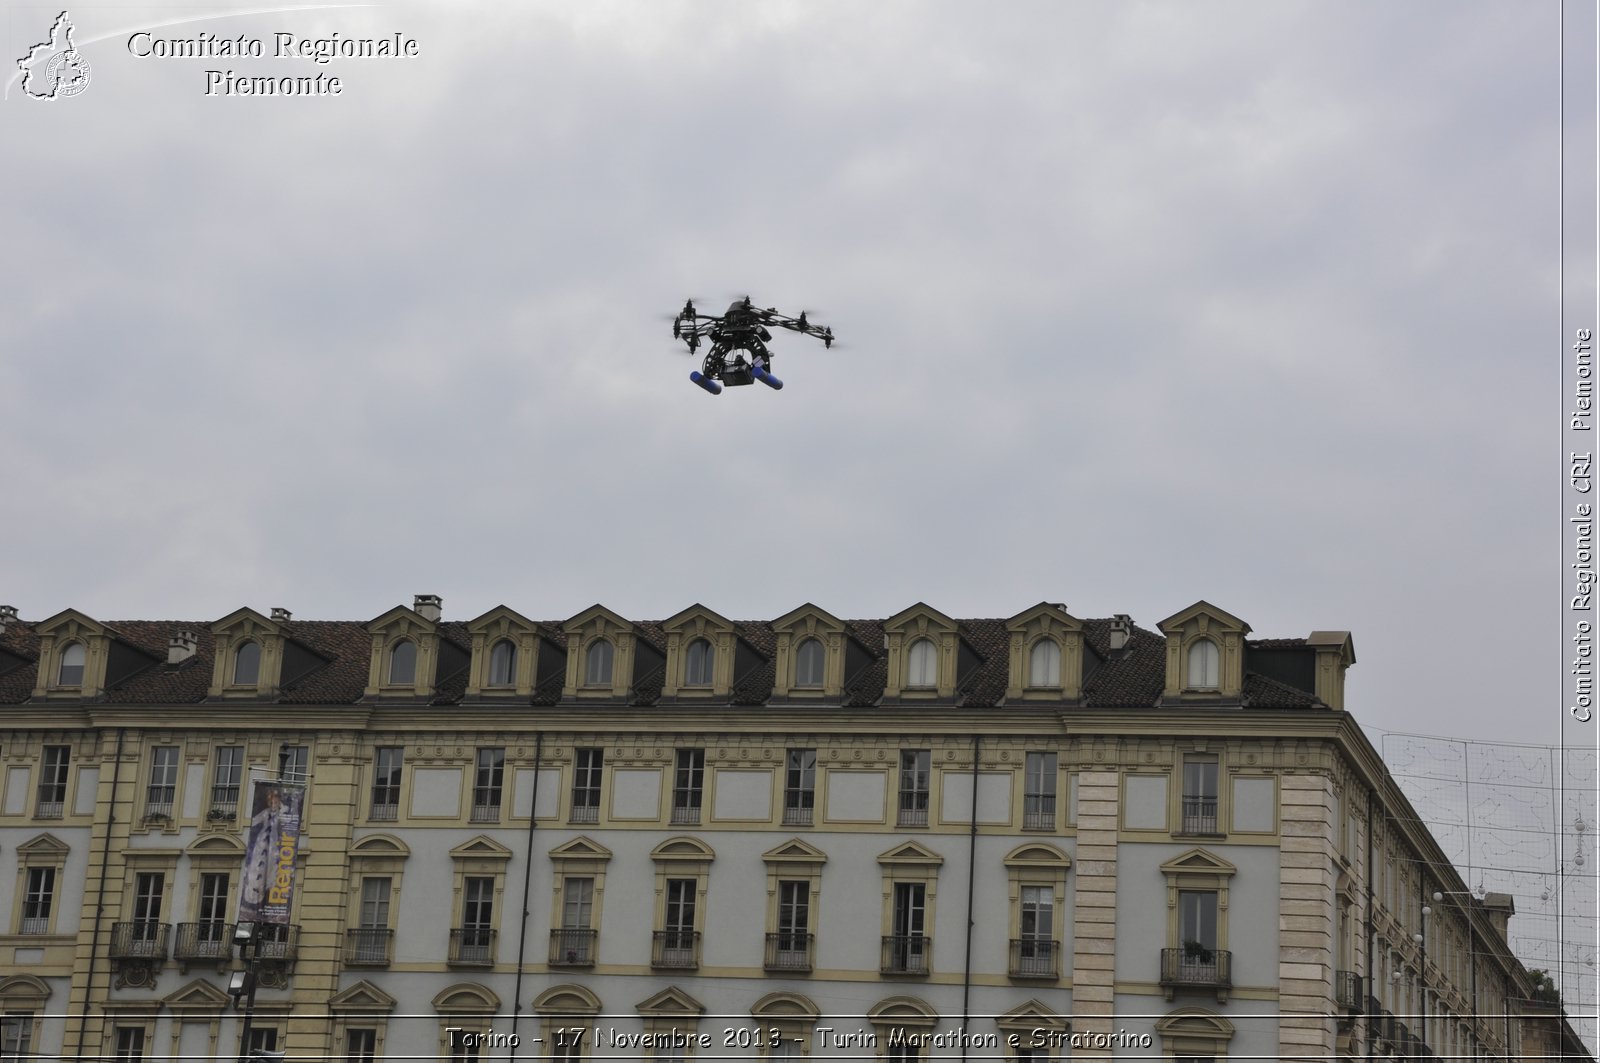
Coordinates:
266	892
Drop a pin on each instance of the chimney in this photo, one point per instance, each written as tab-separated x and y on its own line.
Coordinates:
181	646
1121	632
1500	908
281	615
429	606
8	615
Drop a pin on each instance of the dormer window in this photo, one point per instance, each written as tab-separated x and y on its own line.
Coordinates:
503	664
1203	660
1044	664
809	661
70	673
247	663
403	663
697	663
597	663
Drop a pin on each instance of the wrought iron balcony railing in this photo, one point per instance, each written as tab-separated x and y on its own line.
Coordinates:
139	940
1035	958
796	815
471	946
384	811
685	814
572	947
906	954
47	809
678	949
913	813
789	952
585	814
1039	811
368	946
1347	990
1207	968
278	942
1199	815
203	941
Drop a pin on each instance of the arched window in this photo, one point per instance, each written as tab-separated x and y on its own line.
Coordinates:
503	664
1044	664
698	663
597	664
922	664
1202	665
70	673
247	663
403	662
808	663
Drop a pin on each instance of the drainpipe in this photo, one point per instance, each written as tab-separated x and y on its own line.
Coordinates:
1372	940
527	882
100	894
972	867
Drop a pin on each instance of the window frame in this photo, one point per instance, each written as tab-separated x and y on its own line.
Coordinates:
813	647
63	655
599	669
392	661
1041	643
388	771
164	761
799	787
688	786
699	663
488	784
502	671
55	773
588	784
918	661
915	791
1041	807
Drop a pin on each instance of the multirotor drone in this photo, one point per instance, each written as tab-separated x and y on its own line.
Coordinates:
742	327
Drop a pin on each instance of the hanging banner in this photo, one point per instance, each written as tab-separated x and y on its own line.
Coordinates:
267	890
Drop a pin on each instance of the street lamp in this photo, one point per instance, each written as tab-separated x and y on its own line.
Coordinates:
247	936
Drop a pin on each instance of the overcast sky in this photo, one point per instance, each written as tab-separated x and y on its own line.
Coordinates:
1139	303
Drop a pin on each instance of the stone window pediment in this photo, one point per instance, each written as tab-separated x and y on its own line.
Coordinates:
231	658
80	658
584	631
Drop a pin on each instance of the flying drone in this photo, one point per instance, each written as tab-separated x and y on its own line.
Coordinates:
743	327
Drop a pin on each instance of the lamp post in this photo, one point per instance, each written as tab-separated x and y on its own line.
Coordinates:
247	936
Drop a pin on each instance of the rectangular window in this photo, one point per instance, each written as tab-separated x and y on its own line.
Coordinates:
52	803
688	785
263	1039
677	937
370	939
386	782
901	1050
130	1042
149	887
487	785
1039	792
914	772
37	897
463	1051
226	775
1199	795
1036	932
586	774
16	1035
212	913
566	1042
792	944
573	942
908	946
1197	935
360	1046
800	787
477	920
163	788
294	762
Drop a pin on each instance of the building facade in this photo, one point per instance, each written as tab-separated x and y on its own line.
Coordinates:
1038	838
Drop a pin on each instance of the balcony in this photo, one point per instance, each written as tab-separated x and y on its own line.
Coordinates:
471	946
572	947
1347	990
47	809
585	813
1199	815
675	949
367	946
1192	968
910	814
158	807
204	941
796	815
384	811
908	954
789	952
278	943
684	814
1039	812
139	941
224	803
486	811
1035	958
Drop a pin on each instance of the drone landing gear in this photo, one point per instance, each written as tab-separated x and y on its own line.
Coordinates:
767	378
706	382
